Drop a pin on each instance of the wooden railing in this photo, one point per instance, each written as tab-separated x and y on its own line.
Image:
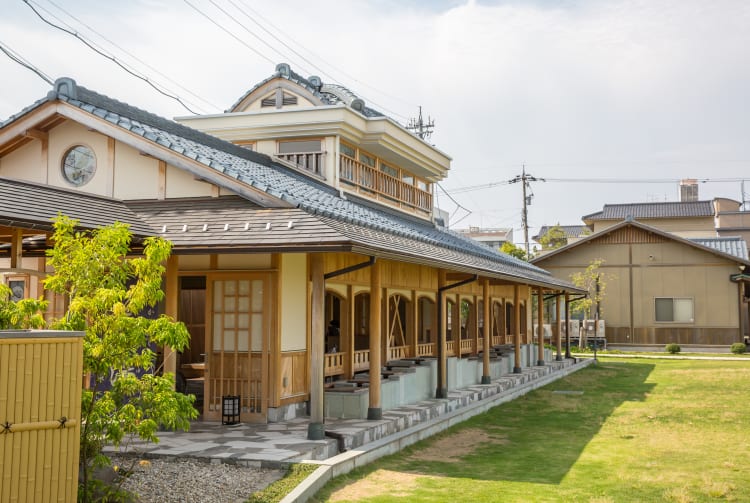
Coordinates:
426	349
467	346
497	340
449	348
309	161
398	352
361	360
334	364
382	185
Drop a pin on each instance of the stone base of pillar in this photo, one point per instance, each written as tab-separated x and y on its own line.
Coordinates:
374	413
486	380
316	431
540	363
559	358
441	393
517	370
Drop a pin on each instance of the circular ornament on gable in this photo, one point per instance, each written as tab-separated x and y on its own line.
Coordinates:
79	165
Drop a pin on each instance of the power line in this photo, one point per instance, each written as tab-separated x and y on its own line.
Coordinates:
108	56
133	56
14	56
526	180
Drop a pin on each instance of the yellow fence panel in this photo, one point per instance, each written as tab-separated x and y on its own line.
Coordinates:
40	415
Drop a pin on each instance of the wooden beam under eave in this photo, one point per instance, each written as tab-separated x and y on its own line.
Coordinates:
18	128
37	134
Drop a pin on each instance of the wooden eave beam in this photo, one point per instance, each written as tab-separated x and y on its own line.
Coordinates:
36	134
29	122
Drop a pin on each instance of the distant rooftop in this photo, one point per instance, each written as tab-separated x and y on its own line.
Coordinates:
571	231
653	210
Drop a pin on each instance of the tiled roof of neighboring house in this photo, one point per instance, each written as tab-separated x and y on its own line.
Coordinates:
713	248
571	231
397	233
34	206
653	210
329	94
731	245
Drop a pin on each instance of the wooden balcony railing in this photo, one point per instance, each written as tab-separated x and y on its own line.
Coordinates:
384	186
308	161
361	360
334	364
426	349
398	352
467	346
449	348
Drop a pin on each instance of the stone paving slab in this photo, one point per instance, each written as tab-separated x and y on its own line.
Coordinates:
271	445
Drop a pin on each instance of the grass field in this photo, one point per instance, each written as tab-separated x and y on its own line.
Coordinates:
624	430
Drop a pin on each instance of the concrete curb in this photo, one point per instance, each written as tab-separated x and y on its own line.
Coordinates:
347	461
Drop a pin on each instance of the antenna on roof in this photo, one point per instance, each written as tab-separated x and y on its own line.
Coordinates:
421	128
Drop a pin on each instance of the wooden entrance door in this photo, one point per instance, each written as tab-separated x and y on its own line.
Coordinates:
237	345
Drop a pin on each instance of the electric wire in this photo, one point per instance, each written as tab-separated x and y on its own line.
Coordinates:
238	39
14	56
133	56
109	57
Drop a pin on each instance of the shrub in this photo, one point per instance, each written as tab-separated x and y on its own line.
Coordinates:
738	348
672	348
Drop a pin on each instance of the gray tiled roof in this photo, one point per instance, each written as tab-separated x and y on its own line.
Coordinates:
330	94
731	245
31	205
396	233
571	231
653	210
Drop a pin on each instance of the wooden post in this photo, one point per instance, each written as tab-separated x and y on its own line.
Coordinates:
347	334
16	249
558	341
316	429
517	328
414	324
442	386
486	378
540	326
375	410
567	325
171	288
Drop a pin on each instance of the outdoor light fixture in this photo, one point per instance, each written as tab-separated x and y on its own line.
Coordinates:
230	409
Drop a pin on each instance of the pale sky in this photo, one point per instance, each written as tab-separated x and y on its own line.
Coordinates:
629	89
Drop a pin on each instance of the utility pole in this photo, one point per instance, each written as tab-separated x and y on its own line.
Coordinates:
421	128
526	185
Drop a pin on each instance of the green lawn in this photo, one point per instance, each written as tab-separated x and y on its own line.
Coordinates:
656	430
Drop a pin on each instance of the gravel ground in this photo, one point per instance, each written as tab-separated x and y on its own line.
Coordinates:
166	480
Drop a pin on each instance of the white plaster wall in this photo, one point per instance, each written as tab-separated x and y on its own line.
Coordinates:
136	175
24	163
244	261
183	184
293	303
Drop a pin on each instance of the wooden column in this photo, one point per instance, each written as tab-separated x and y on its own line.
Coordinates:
375	410
486	378
442	385
16	249
567	325
741	304
316	428
456	325
540	326
414	323
558	340
517	328
348	340
171	288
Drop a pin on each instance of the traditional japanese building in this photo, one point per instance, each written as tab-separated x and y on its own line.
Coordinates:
306	243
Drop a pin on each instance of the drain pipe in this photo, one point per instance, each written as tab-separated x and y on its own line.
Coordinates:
442	387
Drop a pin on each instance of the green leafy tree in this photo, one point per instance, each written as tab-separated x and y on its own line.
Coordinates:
109	293
22	314
554	238
514	251
594	281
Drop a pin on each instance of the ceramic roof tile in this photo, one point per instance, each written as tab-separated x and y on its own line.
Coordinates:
653	210
571	231
310	195
731	245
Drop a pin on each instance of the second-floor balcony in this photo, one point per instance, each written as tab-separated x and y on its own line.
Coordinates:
308	161
374	183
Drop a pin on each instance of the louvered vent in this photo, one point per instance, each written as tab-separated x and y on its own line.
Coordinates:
289	99
268	101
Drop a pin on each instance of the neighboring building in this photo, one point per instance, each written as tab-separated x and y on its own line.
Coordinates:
493	238
320	213
572	233
662	288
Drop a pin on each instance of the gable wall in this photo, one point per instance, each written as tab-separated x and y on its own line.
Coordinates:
683	227
666	269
